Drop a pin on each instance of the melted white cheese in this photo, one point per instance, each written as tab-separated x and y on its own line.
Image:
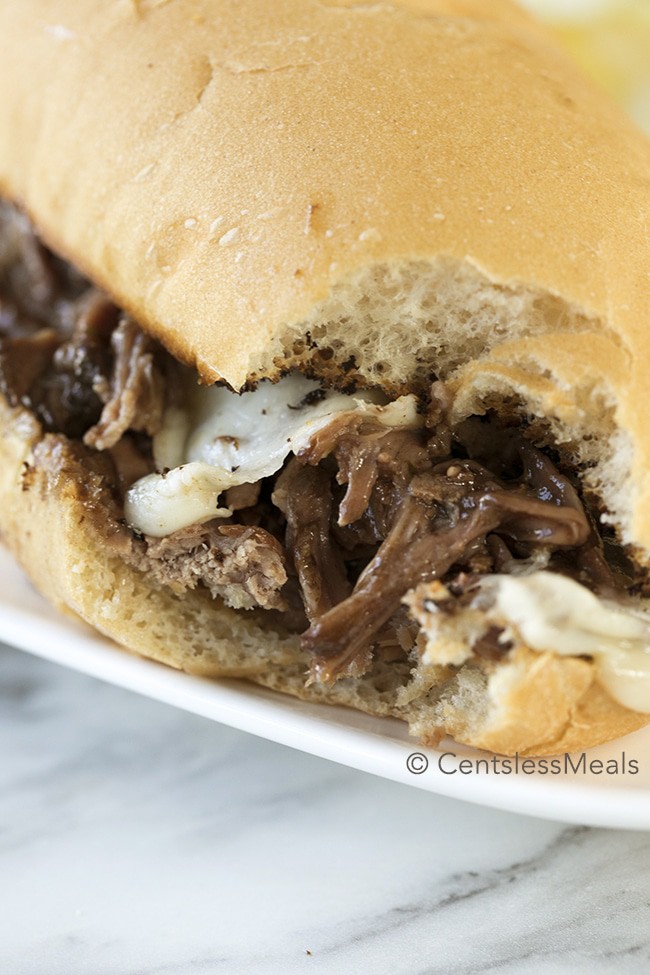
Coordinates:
225	439
162	503
553	613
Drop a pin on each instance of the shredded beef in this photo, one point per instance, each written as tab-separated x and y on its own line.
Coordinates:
366	453
243	496
134	395
65	396
37	289
304	496
97	383
445	512
67	352
366	511
426	517
244	566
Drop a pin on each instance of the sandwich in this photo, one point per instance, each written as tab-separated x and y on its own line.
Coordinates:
325	352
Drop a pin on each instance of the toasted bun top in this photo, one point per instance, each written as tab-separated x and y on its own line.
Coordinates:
416	184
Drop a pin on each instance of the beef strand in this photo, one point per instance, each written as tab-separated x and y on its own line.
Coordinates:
367	451
65	395
134	396
304	496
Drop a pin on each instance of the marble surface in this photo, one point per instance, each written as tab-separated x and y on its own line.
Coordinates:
136	839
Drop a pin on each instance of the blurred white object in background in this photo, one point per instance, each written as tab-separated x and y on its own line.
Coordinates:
610	39
568	9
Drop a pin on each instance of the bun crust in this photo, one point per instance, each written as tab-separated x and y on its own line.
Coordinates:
538	704
221	201
242	175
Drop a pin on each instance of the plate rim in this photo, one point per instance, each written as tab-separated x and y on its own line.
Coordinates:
308	727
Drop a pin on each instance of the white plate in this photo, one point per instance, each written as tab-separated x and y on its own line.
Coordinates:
380	746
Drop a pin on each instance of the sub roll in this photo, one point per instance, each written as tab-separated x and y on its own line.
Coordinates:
324	355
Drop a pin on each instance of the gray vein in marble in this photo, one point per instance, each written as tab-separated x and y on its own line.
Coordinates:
544	939
139	840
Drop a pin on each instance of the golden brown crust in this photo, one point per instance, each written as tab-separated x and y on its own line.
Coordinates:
543	704
223	201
